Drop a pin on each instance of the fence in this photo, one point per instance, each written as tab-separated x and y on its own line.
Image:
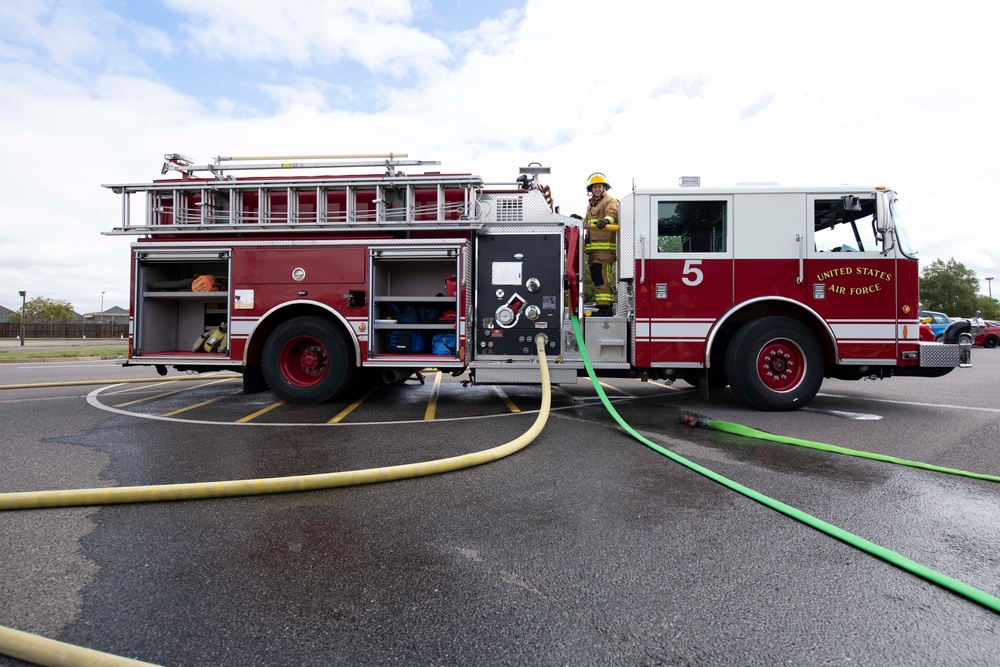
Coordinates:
64	330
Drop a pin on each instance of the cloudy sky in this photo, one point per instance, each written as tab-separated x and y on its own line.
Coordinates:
904	94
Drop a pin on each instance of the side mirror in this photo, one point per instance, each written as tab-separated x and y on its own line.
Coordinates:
882	213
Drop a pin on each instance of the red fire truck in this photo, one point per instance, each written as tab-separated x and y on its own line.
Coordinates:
309	284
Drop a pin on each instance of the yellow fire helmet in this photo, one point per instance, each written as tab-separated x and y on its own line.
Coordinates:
595	178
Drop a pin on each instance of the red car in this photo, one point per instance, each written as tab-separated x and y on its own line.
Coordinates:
990	336
926	333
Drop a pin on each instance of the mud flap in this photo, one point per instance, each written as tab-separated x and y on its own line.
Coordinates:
703	386
253	379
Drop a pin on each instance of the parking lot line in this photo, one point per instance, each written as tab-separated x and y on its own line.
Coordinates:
253	416
506	399
169	393
350	408
200	405
431	411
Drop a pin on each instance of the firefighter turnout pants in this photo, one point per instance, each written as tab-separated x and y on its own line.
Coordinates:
600	263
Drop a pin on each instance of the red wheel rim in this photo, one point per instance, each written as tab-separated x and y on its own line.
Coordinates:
781	365
304	361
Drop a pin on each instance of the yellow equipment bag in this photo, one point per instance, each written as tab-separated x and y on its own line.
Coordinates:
211	341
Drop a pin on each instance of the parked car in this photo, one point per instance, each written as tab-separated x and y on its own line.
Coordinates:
926	333
990	336
939	322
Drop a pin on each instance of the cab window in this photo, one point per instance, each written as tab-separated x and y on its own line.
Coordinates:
845	224
691	226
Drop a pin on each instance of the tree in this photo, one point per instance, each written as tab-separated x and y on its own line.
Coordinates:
950	288
989	306
41	309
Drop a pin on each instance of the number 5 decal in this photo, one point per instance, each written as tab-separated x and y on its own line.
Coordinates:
692	274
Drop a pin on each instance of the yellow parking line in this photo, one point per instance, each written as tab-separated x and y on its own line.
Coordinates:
259	412
620	391
572	398
153	382
665	386
200	405
169	393
506	399
432	404
350	408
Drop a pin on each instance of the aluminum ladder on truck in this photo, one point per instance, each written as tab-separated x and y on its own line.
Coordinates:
221	202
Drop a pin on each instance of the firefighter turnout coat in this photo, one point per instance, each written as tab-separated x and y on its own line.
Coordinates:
601	246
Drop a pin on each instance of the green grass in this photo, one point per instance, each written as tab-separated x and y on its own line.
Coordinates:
35	353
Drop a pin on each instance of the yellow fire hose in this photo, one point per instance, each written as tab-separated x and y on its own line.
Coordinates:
83	383
52	653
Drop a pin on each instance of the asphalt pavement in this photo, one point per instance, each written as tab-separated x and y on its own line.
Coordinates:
584	548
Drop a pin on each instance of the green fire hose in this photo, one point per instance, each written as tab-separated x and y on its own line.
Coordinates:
972	593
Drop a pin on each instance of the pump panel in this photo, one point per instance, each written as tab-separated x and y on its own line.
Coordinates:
519	293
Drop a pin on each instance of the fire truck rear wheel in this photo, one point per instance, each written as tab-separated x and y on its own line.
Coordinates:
307	360
774	364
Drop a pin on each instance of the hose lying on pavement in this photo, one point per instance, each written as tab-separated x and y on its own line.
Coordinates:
251	487
82	383
970	592
52	653
739	429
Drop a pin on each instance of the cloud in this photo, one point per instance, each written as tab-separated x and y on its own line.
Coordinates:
374	33
645	92
73	39
309	92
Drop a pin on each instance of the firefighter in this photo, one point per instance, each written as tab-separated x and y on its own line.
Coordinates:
601	243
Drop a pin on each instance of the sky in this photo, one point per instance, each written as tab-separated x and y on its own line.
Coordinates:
902	94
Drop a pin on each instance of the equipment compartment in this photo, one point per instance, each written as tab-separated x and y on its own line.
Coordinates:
410	293
170	315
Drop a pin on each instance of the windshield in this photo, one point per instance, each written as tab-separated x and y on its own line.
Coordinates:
905	246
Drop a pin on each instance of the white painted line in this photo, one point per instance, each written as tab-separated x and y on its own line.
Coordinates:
923	405
840	413
94	401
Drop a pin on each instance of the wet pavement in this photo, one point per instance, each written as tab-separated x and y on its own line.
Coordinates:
586	547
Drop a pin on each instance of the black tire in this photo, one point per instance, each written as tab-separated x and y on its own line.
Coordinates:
991	341
774	364
307	360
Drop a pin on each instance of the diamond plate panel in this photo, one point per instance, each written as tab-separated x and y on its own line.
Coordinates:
606	339
514	207
938	355
557	375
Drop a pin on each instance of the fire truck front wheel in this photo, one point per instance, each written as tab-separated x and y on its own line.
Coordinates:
307	360
774	364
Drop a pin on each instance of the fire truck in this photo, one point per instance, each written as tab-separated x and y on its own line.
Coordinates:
312	275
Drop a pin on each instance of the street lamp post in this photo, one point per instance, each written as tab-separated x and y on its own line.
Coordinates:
989	286
24	300
102	307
